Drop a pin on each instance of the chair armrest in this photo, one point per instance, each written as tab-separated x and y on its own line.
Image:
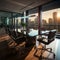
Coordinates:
19	37
12	37
51	39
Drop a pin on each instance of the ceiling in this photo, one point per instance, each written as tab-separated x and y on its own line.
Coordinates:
20	5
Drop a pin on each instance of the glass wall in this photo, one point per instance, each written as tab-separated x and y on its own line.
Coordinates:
33	21
51	19
17	24
10	20
51	16
4	18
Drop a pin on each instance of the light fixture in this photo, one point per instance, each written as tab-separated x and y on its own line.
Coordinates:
32	15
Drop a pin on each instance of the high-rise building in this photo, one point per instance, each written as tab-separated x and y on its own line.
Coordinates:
44	22
50	21
55	19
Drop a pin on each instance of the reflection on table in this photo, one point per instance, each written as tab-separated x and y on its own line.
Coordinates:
33	32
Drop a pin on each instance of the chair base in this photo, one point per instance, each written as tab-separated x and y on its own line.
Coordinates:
42	51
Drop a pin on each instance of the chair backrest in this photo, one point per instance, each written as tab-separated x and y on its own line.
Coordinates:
51	36
16	36
8	31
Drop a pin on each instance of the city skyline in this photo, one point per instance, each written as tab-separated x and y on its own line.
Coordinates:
49	14
48	19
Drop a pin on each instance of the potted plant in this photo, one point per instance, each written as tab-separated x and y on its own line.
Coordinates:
23	25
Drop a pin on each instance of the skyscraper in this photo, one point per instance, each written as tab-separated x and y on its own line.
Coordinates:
50	21
55	19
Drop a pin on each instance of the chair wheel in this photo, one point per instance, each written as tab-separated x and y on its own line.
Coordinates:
54	56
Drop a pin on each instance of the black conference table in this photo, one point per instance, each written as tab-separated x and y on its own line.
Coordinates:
35	32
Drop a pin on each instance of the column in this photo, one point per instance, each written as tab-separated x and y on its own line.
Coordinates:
14	23
39	20
27	23
12	20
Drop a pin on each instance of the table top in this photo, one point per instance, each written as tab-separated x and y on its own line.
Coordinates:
35	32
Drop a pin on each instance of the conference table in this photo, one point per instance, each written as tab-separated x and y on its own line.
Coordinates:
33	32
54	45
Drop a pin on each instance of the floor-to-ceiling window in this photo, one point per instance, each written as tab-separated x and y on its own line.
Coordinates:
33	21
51	16
4	18
10	20
51	19
16	21
4	21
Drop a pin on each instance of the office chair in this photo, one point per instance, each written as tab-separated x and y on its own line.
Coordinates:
46	41
16	42
30	40
17	37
